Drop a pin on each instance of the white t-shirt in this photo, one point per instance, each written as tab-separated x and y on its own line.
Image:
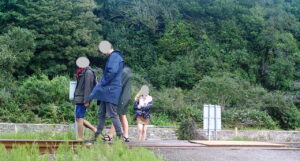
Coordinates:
143	101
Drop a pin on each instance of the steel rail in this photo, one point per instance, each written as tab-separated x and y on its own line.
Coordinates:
45	146
51	146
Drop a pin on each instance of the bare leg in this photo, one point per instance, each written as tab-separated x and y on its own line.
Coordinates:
124	125
144	132
80	128
111	131
89	125
140	131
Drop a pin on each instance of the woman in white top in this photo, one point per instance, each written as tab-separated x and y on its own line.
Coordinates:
142	106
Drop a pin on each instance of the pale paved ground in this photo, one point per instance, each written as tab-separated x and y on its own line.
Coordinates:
228	154
178	150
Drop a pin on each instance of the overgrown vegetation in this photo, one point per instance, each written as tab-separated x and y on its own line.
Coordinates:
118	152
241	54
39	135
187	130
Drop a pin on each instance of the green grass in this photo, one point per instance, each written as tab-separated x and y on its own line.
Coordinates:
98	152
162	120
237	138
39	136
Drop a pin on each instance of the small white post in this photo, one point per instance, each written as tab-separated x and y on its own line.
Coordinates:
209	122
215	115
72	88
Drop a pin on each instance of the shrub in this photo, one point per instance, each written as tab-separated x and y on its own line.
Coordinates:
38	90
246	104
11	110
173	103
247	118
161	119
282	110
44	100
228	91
187	130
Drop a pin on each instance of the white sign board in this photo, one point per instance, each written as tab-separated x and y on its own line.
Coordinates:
211	119
72	88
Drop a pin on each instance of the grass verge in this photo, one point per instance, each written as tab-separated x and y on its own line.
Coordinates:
118	151
39	136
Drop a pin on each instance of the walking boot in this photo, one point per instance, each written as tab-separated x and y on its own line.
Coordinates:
93	139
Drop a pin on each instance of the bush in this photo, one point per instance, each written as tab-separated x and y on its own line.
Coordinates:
38	90
247	118
173	103
38	100
282	110
187	130
10	108
42	100
161	119
228	91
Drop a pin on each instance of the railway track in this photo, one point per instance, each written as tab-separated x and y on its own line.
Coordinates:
293	144
50	146
45	146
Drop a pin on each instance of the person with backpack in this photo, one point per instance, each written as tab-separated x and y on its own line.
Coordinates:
109	89
123	105
86	80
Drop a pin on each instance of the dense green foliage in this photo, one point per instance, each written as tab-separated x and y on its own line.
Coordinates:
241	54
63	30
187	130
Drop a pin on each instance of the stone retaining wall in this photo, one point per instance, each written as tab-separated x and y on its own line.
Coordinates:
159	133
257	135
11	127
262	135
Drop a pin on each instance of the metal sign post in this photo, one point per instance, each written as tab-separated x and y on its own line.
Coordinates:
72	88
211	119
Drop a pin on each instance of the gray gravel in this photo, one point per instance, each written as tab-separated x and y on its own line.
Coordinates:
229	154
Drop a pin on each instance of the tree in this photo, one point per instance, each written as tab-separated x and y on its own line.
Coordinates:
16	49
176	41
277	76
280	52
64	31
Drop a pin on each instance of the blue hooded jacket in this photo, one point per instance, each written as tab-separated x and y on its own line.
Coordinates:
110	86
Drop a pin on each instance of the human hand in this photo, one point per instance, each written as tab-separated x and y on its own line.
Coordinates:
139	106
86	105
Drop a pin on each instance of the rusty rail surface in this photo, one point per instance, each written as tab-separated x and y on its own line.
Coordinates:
293	144
51	146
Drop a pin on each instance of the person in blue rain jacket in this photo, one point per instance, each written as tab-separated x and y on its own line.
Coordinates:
108	90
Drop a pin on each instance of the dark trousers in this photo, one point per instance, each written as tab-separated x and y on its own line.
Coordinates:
111	111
